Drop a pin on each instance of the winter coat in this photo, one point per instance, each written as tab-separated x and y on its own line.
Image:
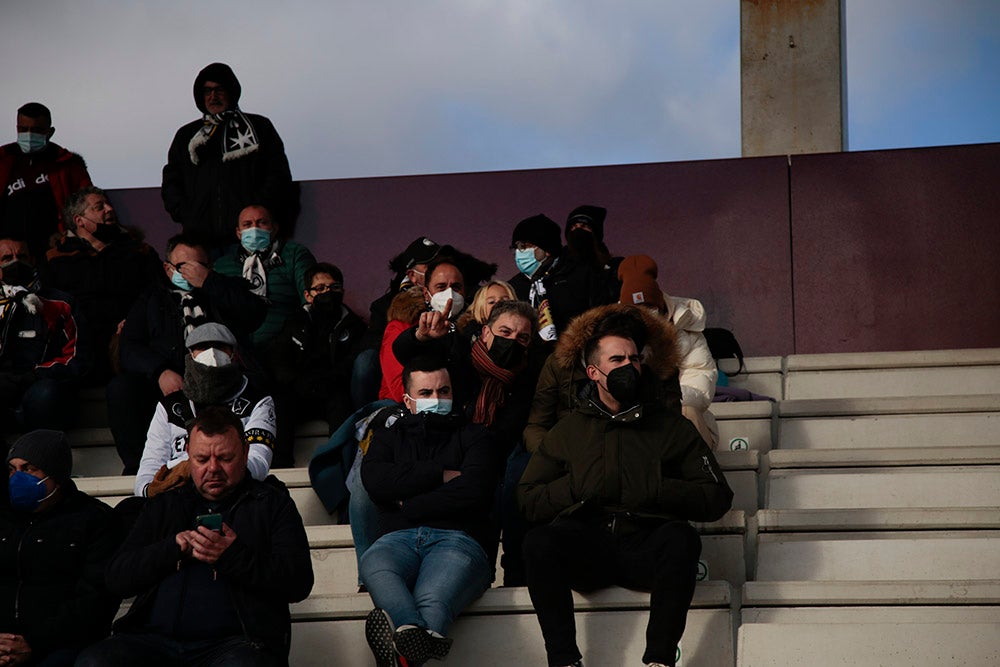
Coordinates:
152	339
625	470
265	569
698	372
43	335
563	377
286	284
403	312
406	463
52	572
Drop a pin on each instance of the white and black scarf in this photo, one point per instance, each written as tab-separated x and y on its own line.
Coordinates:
192	312
257	264
238	136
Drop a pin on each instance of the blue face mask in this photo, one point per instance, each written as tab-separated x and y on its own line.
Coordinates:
526	261
26	491
255	239
435	406
31	142
180	281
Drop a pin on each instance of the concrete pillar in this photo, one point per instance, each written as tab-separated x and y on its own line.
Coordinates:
793	79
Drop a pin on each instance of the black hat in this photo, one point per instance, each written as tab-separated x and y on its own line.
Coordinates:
47	450
539	230
223	75
421	251
593	216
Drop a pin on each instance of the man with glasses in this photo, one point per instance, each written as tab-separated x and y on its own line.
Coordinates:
151	347
312	357
224	161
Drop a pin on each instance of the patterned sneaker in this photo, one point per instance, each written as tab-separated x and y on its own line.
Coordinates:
418	645
379	631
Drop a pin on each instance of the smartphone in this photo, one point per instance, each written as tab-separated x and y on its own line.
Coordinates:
210	521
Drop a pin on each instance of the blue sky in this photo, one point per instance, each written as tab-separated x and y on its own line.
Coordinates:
374	88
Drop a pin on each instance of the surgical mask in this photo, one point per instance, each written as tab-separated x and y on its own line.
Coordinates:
506	353
440	300
31	142
180	281
18	273
26	491
623	384
526	261
433	406
106	233
255	239
213	357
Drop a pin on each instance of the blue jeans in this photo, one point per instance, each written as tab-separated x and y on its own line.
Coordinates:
425	576
363	515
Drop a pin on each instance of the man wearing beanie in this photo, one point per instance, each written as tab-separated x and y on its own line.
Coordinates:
224	161
55	542
698	372
559	285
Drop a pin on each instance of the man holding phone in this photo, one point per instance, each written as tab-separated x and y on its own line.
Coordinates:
231	547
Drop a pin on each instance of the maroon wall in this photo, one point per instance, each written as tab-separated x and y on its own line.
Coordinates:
723	231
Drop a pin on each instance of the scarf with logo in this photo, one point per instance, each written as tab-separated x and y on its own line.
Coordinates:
257	264
238	136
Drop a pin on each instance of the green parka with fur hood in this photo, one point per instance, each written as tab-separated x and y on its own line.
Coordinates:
645	463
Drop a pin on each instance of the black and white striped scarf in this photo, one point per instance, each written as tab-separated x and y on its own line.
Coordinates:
238	135
192	312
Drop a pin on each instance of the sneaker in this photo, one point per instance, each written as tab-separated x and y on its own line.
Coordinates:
379	631
418	645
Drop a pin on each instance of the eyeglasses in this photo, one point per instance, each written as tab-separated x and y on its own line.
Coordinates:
323	288
524	245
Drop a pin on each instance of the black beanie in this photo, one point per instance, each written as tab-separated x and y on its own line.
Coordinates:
47	450
223	75
539	230
593	216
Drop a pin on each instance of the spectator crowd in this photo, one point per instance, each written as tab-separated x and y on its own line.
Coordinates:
562	413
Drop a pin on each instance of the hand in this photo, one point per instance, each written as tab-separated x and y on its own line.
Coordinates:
118	329
184	542
451	474
170	381
433	324
195	273
14	650
208	545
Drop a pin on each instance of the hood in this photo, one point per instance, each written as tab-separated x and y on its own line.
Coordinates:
662	355
220	73
407	306
686	314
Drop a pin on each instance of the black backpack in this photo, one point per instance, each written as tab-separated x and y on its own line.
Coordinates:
723	345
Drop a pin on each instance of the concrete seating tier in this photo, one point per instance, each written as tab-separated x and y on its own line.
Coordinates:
761	375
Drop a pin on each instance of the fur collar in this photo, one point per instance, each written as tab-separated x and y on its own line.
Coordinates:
661	353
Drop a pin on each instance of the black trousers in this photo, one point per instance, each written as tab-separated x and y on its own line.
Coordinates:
131	403
571	554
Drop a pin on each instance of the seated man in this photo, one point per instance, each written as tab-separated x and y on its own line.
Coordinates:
312	357
212	376
55	542
151	346
41	355
433	478
213	564
103	266
276	269
613	487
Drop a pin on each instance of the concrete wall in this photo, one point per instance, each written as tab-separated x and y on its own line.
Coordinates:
887	250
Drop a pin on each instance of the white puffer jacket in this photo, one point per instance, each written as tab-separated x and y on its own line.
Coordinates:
698	372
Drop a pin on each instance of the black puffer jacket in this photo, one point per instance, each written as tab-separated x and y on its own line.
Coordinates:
52	572
266	568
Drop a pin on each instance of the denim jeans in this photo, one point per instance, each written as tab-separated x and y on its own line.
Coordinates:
363	515
425	576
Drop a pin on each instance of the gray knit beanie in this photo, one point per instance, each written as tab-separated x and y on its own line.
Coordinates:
47	450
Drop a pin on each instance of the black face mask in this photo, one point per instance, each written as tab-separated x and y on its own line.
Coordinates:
623	384
506	353
328	302
18	273
105	233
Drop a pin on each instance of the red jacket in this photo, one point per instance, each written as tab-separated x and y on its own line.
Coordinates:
67	173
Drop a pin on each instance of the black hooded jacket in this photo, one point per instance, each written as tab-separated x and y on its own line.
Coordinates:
206	198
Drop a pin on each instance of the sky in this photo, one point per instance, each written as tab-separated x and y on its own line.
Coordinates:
392	87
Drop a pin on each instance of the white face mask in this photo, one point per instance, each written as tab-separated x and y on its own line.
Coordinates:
440	300
213	357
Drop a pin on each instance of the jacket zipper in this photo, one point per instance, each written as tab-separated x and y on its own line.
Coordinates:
707	467
20	577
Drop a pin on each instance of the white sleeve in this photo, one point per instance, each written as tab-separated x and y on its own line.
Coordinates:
698	373
156	453
261	429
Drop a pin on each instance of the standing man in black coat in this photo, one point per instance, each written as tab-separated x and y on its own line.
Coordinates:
224	161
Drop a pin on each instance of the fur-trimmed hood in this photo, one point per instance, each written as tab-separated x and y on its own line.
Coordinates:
407	306
661	352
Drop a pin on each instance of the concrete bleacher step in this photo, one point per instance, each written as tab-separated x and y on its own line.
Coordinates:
874	519
924	486
761	375
744	425
501	627
873	374
889	422
879	456
759	595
